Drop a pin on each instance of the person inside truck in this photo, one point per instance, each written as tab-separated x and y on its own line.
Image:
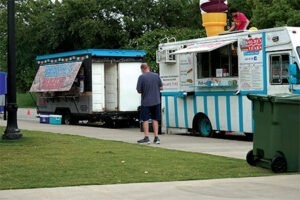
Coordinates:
240	21
149	85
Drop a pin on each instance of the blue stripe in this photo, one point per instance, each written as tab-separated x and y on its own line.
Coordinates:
265	78
185	112
96	52
176	111
296	91
241	114
228	110
252	118
167	111
219	93
174	93
205	105
217	112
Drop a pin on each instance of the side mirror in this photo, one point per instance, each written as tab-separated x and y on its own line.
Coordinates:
294	77
293	70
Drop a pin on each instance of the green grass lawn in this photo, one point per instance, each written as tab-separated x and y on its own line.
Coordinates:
50	160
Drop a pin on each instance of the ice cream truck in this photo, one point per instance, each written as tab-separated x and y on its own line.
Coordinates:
3	90
97	85
206	80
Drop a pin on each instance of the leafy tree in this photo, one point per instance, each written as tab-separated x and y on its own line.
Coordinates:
150	41
3	35
274	13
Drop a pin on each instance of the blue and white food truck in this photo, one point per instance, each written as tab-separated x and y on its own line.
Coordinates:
206	80
98	85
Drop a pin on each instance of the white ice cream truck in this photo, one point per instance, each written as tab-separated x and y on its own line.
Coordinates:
206	80
98	85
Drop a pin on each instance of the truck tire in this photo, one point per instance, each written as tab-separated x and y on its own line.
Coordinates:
66	116
67	119
203	126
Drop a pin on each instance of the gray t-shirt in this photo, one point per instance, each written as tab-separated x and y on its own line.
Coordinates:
149	84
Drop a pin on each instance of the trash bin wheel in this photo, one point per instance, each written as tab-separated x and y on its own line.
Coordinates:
279	163
251	158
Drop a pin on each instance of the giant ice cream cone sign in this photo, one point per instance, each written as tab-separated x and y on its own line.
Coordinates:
214	16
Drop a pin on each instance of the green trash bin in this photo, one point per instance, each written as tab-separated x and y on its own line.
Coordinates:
276	136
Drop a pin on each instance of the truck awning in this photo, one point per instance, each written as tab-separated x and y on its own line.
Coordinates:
204	47
55	77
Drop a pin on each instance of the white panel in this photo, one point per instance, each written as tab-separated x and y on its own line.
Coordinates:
111	87
180	114
234	113
211	111
200	104
98	87
163	114
223	113
247	107
171	113
190	111
129	98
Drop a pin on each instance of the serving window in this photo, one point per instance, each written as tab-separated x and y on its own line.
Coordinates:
221	62
279	66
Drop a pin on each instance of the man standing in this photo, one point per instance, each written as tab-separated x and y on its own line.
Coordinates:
149	85
240	21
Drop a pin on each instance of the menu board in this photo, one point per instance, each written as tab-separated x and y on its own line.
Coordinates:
251	63
170	82
186	72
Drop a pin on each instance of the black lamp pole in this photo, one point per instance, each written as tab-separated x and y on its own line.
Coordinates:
12	132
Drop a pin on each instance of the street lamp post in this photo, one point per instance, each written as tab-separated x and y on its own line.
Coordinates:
12	132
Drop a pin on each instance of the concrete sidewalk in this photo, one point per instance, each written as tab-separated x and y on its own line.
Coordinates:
260	188
274	187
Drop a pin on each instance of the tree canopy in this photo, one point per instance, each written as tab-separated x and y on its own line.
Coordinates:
51	26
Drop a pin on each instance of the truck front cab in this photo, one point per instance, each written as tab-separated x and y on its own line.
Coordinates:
294	66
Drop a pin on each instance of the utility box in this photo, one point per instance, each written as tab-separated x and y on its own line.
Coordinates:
55	119
3	90
277	132
44	119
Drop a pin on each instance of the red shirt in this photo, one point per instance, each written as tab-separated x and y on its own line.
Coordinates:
240	21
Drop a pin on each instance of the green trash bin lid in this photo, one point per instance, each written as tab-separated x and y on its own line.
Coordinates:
258	97
285	98
276	98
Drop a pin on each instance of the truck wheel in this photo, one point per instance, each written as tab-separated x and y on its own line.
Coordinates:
279	164
109	122
250	158
204	126
68	119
